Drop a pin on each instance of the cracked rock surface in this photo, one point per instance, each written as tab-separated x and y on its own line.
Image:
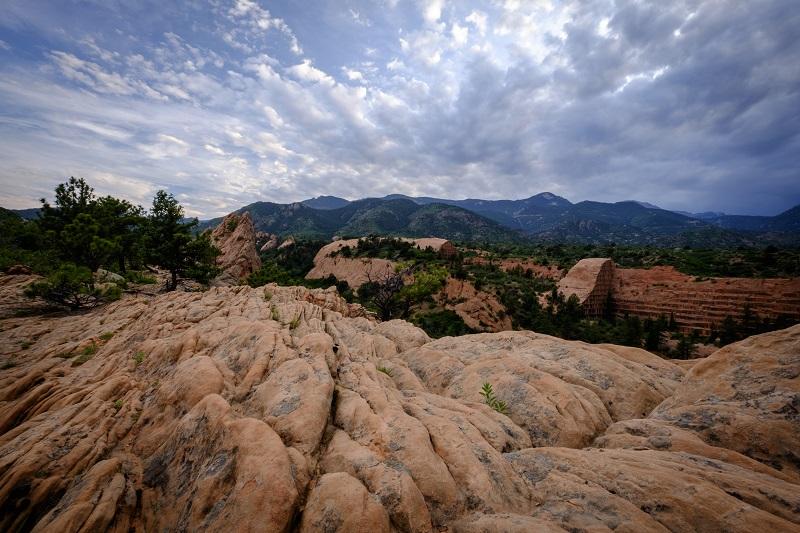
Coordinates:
287	409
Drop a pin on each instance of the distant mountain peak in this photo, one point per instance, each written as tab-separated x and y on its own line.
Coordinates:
648	205
325	202
547	198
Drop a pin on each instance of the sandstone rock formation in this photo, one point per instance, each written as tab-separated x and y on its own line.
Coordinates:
702	304
695	304
591	280
355	271
283	408
266	241
236	238
479	310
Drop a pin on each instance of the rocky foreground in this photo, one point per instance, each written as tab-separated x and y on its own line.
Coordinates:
280	409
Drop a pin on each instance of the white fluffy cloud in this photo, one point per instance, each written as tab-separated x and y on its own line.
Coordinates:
601	99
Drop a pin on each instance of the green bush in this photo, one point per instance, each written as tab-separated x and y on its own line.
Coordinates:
138	277
444	323
491	400
73	287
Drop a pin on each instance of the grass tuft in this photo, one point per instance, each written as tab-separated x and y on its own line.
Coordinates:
85	355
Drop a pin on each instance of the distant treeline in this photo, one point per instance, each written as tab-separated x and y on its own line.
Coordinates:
765	262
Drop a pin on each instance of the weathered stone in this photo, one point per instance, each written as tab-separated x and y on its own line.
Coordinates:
281	408
236	239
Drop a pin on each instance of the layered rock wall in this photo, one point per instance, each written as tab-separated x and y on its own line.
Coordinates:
696	304
702	304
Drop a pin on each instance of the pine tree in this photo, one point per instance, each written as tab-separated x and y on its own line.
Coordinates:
170	243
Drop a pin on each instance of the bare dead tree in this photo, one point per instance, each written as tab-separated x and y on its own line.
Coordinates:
386	285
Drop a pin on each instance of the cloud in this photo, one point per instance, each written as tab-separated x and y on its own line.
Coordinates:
259	20
359	19
460	34
683	104
478	19
352	75
305	71
431	10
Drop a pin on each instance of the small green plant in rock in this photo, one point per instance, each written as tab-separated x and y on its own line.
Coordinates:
9	363
107	336
25	345
138	358
274	314
387	371
491	400
86	354
117	404
295	323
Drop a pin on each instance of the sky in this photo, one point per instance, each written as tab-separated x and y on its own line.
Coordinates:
689	105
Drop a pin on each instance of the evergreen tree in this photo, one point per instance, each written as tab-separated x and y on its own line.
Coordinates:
686	348
121	222
170	243
653	335
729	332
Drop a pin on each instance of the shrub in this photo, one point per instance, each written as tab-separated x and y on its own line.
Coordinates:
73	287
85	355
107	336
491	400
387	371
135	276
138	358
444	323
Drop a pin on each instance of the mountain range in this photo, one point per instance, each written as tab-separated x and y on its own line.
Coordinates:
542	217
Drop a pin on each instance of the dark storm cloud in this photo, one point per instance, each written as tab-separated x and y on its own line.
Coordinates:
690	105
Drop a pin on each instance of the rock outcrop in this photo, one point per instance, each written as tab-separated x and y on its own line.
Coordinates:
479	310
355	271
283	408
359	270
236	239
696	304
591	281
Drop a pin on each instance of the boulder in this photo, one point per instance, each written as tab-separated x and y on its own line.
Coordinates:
104	276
